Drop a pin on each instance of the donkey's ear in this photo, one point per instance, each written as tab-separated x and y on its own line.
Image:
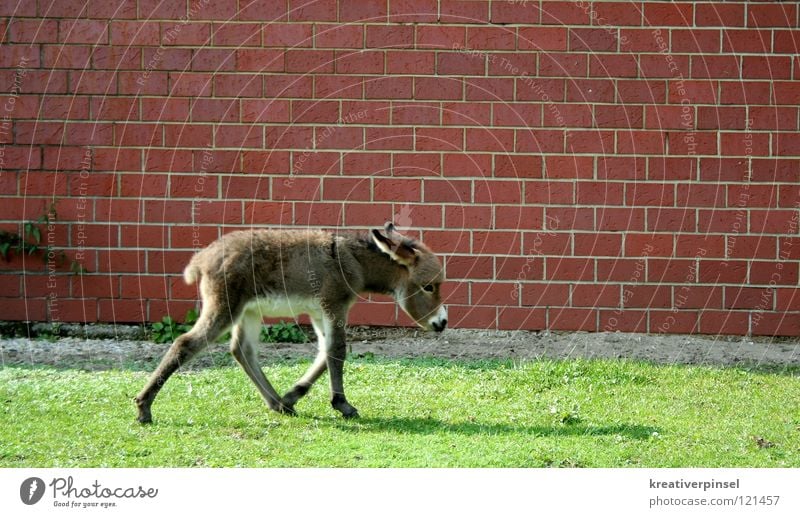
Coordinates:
397	249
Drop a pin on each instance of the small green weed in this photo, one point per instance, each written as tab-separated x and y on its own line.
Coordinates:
30	242
283	332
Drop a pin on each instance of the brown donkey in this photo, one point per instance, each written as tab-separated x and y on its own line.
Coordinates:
247	275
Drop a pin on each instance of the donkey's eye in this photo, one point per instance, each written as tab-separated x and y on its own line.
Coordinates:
428	288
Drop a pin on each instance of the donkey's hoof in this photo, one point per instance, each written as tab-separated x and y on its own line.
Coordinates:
144	416
351	414
348	411
285	409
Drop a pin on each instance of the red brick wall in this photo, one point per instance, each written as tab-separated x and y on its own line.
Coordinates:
626	166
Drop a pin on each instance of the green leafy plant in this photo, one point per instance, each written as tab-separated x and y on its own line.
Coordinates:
30	242
283	332
167	330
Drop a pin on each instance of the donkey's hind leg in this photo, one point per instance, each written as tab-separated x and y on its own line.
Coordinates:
316	369
245	337
209	326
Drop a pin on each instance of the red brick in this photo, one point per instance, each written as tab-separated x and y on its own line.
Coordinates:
773	273
643	40
518	217
441	36
766	67
723	322
410	62
540	141
390	36
695	41
549	192
92	32
439	139
642	244
335	137
518	166
389	87
554	64
339	36
22	30
313	10
318	214
597	244
464	11
646	296
134	33
593	40
513	64
61	56
371	214
564	13
722	67
658	66
259	60
542	38
700	245
413	11
367	163
495	294
266	212
785	41
389	138
472	317
584	295
774	325
571	218
158	109
396	189
479	139
469	267
515	12
296	188
772	15
679	14
568	268
461	216
545	295
362	10
513	318
683	322
460	164
719	14
466	114
489	89
568	167
572	319
310	61
460	63
491	38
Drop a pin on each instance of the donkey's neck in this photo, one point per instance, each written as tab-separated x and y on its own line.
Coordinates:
381	273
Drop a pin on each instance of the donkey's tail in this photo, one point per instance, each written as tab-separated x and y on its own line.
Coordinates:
191	273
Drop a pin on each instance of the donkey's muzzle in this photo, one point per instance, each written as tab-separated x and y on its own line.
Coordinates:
439	326
439	320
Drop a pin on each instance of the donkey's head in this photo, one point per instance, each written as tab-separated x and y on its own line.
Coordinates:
418	292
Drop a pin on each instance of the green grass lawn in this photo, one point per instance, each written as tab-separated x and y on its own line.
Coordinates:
415	413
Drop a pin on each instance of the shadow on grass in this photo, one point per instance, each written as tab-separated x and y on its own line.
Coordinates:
434	426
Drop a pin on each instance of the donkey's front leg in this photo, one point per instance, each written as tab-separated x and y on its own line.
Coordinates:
316	369
336	356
